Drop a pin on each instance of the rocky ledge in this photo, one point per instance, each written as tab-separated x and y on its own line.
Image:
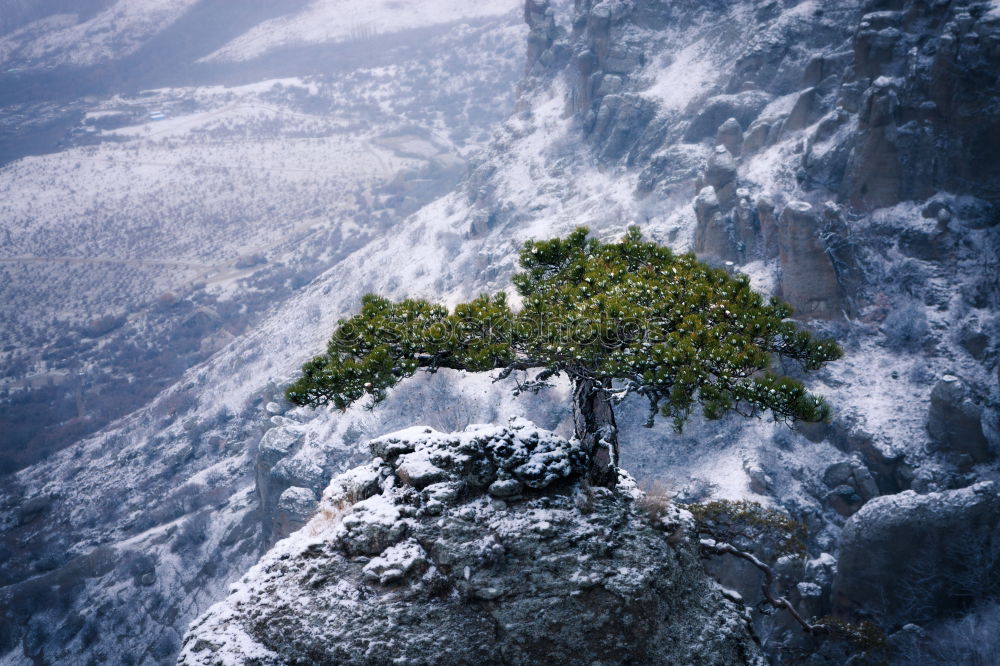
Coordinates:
483	546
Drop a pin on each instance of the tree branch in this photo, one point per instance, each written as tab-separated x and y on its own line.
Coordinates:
523	364
712	547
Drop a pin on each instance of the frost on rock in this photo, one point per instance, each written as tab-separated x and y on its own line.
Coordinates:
396	562
909	556
514	458
480	546
276	443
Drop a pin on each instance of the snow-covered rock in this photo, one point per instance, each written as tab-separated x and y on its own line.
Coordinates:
910	557
402	571
955	420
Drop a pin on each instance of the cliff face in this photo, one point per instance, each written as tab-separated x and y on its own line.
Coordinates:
843	154
898	98
831	153
840	110
482	546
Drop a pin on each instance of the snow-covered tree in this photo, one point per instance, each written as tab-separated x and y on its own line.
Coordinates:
618	319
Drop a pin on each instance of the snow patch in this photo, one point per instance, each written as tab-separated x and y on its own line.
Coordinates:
113	33
330	21
687	74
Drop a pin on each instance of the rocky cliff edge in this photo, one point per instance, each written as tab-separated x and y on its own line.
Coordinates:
482	546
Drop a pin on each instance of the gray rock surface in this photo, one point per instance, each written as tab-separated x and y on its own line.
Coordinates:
851	485
730	136
808	278
290	477
955	420
414	560
923	69
910	557
295	507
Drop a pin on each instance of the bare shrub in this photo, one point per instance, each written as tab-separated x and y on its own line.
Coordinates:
656	500
698	490
970	640
906	328
193	533
750	526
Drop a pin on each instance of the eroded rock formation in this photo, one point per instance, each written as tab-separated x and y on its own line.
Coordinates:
478	547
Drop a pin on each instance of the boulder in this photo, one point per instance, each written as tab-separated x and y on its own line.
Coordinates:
727	225
743	106
299	471
389	572
286	463
912	558
926	245
296	506
276	444
804	112
757	136
808	278
713	236
851	485
975	340
955	420
730	136
720	174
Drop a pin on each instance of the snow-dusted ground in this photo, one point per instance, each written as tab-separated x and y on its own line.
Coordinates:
226	172
228	193
330	21
170	190
115	32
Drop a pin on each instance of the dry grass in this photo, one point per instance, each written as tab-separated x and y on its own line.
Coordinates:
656	500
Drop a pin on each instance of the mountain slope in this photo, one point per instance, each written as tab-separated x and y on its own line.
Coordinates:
607	132
171	219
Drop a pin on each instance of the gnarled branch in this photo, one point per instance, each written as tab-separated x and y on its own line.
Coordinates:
713	547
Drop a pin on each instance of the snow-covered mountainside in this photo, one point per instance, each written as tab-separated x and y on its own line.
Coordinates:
85	38
53	34
324	21
170	219
840	153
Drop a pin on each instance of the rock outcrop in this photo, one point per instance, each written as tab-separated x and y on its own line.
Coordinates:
808	278
913	558
478	547
290	477
851	485
955	420
922	75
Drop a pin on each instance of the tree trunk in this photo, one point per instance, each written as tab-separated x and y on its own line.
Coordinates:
594	421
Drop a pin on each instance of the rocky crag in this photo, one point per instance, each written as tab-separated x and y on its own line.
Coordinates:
485	546
843	154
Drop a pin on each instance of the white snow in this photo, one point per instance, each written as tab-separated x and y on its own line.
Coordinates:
113	33
325	21
543	185
763	275
690	72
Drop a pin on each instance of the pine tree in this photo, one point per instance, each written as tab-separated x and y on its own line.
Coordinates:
618	319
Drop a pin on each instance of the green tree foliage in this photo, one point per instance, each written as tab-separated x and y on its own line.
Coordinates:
750	526
629	317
